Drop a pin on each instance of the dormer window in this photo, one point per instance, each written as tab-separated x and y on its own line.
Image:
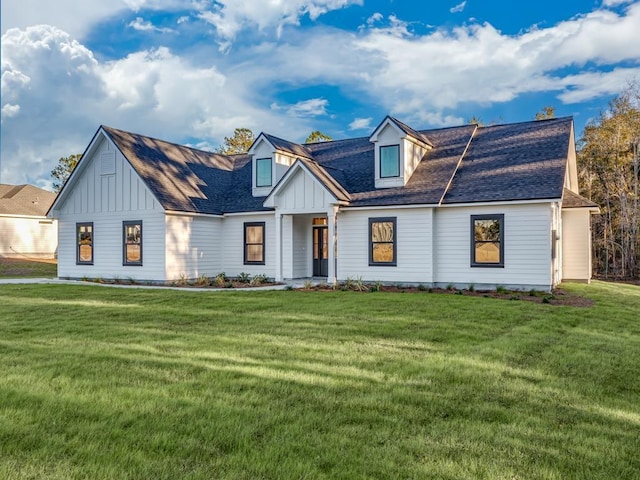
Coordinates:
390	161
264	176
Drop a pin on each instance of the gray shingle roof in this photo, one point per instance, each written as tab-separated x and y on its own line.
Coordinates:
287	146
24	200
573	200
519	161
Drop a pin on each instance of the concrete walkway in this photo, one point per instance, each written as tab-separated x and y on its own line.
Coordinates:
56	281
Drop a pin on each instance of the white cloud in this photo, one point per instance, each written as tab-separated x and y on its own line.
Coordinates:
615	3
590	85
305	108
458	8
141	25
75	17
361	124
64	93
9	110
229	17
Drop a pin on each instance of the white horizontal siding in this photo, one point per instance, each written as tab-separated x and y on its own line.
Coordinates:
527	247
233	245
414	249
576	244
193	246
28	236
108	243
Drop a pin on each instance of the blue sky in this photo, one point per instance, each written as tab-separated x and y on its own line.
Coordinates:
190	71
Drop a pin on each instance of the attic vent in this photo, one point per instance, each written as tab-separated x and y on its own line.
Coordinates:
108	164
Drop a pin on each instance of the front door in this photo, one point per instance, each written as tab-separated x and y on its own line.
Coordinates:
320	251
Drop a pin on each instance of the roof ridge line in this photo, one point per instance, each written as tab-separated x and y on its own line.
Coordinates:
446	189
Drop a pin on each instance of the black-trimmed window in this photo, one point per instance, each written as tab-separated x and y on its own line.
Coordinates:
263	172
390	161
84	250
382	241
254	243
487	240
132	242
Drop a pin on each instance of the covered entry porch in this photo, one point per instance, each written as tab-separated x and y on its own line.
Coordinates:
306	245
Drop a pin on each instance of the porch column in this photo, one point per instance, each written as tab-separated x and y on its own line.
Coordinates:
278	247
332	220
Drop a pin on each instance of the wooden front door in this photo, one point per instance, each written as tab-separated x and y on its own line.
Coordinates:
320	251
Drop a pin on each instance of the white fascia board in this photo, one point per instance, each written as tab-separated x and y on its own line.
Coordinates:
244	214
177	213
504	202
392	207
29	217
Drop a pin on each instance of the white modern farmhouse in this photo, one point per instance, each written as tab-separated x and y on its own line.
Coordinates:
487	206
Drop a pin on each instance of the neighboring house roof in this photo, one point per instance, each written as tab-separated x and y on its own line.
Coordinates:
573	200
501	163
25	200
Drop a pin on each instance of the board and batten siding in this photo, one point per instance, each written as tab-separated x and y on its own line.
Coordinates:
108	192
527	247
576	244
303	194
193	246
28	236
414	246
233	245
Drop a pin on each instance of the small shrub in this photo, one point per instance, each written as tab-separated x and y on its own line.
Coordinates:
501	289
459	292
85	278
514	297
99	280
422	288
399	286
182	280
259	279
221	279
376	286
228	284
131	281
472	288
348	284
308	285
203	280
546	299
243	277
288	288
450	287
532	293
360	286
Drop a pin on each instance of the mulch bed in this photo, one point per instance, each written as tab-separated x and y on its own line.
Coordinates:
557	297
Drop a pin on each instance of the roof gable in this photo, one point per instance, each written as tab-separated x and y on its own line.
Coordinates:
403	129
319	175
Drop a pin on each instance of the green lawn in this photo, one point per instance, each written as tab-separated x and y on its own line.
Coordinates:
102	382
19	267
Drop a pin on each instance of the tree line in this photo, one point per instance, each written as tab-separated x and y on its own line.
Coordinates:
608	167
